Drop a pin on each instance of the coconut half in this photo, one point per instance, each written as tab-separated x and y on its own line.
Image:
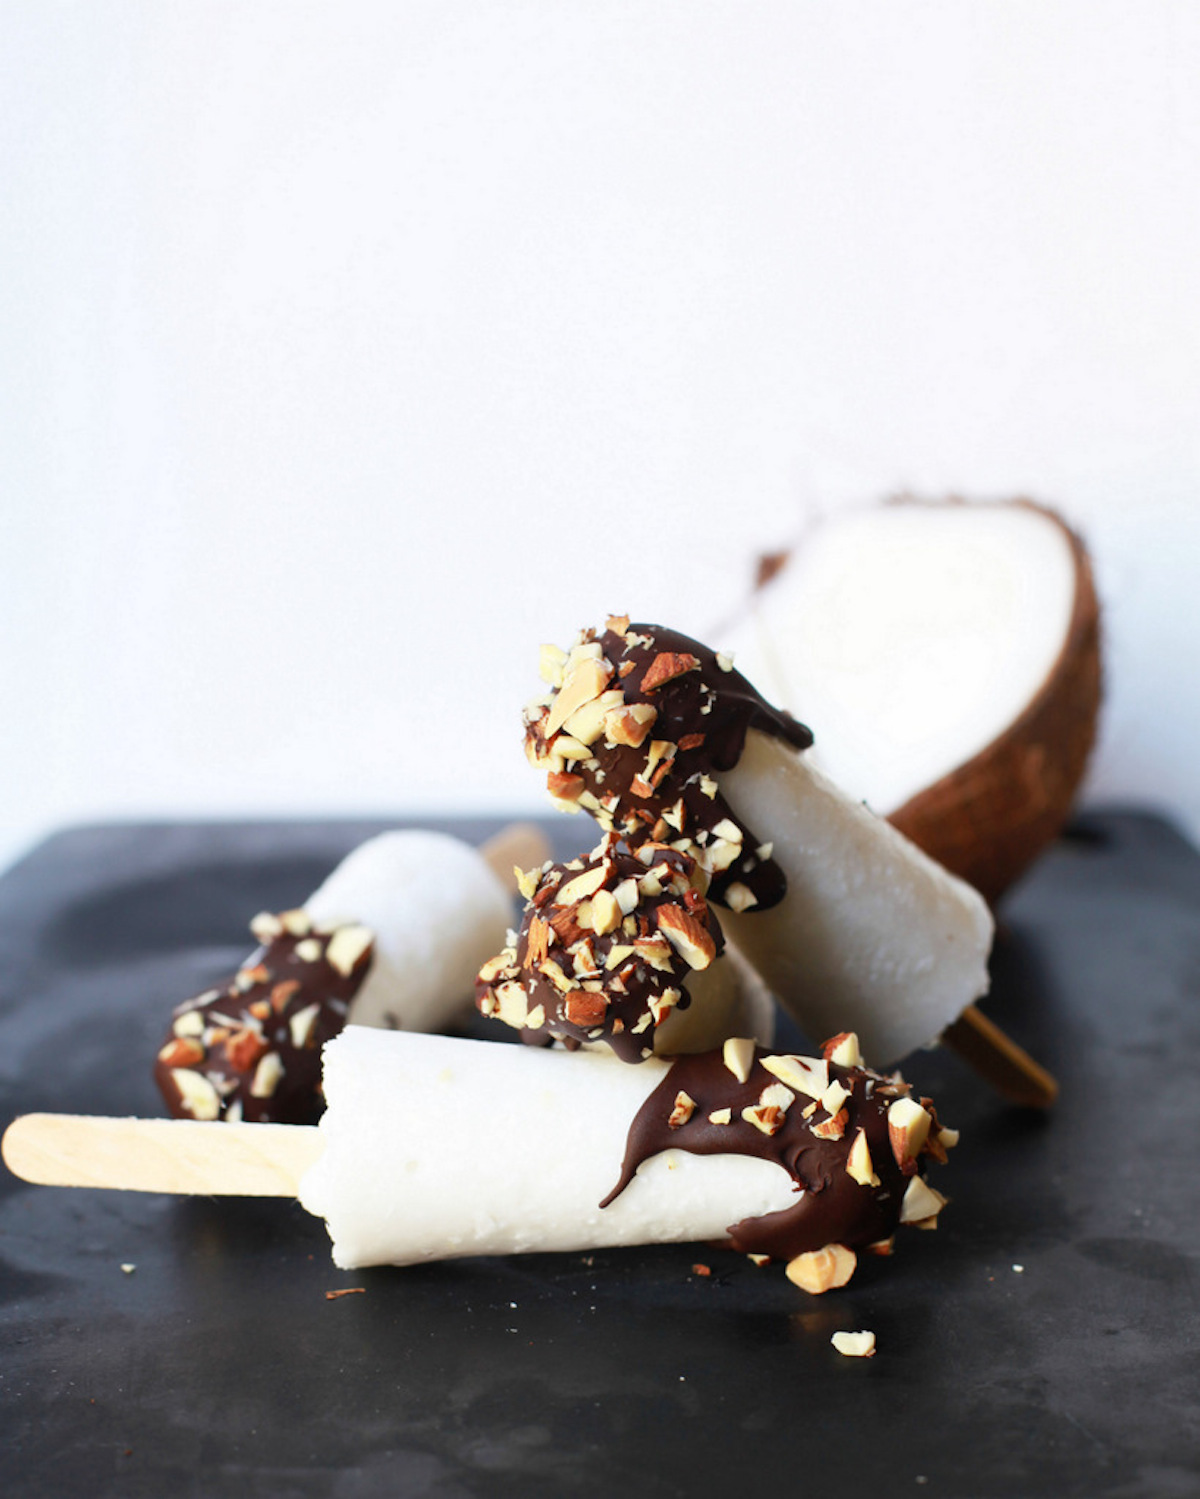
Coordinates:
947	656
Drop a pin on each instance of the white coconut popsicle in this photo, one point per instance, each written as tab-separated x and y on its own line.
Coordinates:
436	908
434	1147
851	926
439	1148
393	938
659	738
872	936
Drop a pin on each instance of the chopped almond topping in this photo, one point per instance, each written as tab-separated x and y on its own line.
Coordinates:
666	666
692	941
842	1049
583	680
564	785
684	1108
831	1129
244	1049
181	1052
539	939
822	1269
738	1056
585	1009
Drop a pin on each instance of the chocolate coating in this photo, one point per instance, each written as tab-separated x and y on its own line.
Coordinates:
664	786
607	960
284	1003
832	1207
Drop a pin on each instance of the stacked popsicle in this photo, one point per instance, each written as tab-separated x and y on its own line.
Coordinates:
433	1146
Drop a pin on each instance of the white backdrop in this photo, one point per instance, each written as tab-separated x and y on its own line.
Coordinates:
350	350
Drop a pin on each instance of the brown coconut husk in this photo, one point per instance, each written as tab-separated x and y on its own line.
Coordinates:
989	819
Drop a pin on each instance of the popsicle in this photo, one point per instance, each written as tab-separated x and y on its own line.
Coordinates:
621	948
434	1147
392	938
847	921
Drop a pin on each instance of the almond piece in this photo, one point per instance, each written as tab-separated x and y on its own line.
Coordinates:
738	1056
183	1051
243	1050
197	1094
564	785
921	1202
302	1026
692	941
511	1004
538	941
854	1344
805	1075
908	1129
739	897
822	1270
267	1076
858	1162
584	680
768	1119
629	725
266	927
606	913
282	993
842	1049
685	1107
831	1129
582	885
584	1009
666	666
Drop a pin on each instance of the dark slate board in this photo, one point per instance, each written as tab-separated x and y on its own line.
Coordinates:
218	1367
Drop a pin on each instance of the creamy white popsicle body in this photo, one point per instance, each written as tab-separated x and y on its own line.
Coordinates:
436	911
437	1147
872	935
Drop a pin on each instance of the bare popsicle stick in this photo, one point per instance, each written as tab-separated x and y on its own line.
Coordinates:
520	844
161	1155
998	1059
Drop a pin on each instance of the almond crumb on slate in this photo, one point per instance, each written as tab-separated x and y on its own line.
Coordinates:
854	1344
348	1291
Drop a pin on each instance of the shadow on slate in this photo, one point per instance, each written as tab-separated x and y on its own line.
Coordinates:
219	1367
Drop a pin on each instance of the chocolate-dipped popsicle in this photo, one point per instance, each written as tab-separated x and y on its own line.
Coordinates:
848	922
393	938
434	1147
620	947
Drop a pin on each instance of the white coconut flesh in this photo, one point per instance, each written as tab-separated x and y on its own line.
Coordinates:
911	636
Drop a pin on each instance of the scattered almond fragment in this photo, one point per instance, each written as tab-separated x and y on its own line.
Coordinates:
738	1055
854	1344
666	666
346	1291
822	1270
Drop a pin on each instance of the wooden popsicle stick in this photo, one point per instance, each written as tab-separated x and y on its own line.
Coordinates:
520	845
999	1060
161	1155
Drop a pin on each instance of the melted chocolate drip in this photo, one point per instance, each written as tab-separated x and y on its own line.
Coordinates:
703	715
619	1003
248	1021
833	1207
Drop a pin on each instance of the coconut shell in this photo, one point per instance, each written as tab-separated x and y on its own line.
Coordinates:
989	819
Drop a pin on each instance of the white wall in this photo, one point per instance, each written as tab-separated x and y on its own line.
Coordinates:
348	351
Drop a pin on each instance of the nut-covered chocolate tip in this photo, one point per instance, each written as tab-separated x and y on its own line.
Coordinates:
251	1050
605	948
637	726
853	1140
